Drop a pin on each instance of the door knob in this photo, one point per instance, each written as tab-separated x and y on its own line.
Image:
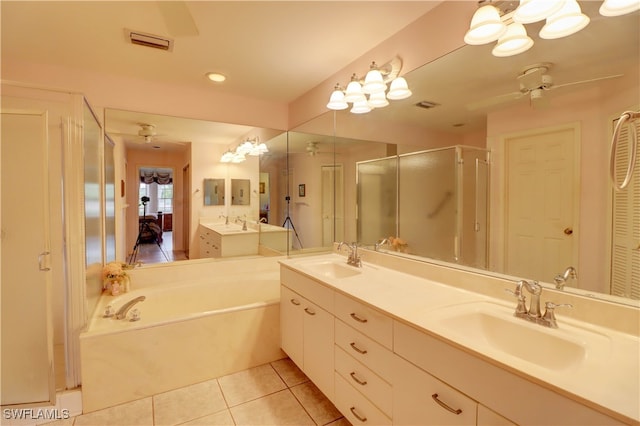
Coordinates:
568	231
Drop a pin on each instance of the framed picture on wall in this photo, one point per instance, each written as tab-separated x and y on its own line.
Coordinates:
301	190
262	187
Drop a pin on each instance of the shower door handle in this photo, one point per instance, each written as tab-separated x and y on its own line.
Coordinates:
41	265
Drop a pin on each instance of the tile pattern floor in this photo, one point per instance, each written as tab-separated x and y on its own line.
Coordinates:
272	394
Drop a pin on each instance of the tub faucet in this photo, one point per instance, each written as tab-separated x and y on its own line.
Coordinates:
380	243
561	279
122	312
263	220
353	259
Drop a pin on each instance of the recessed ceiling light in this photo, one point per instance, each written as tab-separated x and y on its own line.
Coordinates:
217	77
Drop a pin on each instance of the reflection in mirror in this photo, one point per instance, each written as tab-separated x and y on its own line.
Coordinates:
240	192
193	148
595	78
213	192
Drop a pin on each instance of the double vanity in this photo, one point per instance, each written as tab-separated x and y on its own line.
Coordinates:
425	346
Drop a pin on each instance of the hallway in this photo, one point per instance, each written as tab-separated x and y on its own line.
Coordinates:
152	253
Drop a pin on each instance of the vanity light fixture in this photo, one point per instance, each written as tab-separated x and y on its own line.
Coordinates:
370	93
498	20
619	7
250	146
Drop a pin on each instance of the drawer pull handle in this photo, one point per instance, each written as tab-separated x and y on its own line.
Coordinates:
358	416
295	302
445	406
310	312
357	318
355	379
357	349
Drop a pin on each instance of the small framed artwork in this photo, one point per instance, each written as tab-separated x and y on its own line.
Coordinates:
301	190
262	187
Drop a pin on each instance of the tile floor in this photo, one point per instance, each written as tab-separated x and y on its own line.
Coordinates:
272	394
151	253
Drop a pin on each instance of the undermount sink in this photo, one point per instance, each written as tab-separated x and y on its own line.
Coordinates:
333	269
486	325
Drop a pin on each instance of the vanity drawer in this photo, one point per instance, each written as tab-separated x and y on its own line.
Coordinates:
364	380
312	290
365	319
364	349
355	407
420	398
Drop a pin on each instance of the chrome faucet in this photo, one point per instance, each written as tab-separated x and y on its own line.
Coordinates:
353	259
533	314
263	220
561	279
380	243
122	312
226	219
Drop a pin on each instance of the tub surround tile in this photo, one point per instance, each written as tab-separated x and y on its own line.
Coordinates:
222	418
280	408
138	413
250	384
289	372
321	410
188	403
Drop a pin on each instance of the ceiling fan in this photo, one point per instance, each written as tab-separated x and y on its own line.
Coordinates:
534	82
146	135
313	149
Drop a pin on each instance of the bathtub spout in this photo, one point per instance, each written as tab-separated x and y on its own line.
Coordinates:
122	312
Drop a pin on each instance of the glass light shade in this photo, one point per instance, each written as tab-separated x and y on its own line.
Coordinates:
258	149
566	21
378	100
238	158
227	157
354	93
514	41
244	148
337	102
536	10
373	82
486	26
262	147
619	7
361	107
399	89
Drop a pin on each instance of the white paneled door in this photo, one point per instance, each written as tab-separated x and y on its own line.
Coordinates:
27	334
540	201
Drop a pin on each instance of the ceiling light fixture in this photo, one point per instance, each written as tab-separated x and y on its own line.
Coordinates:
216	77
371	92
498	20
250	146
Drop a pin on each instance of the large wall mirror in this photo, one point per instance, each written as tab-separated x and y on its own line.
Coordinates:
213	192
471	98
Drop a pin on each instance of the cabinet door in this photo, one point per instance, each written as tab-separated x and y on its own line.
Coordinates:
318	347
487	417
291	327
421	399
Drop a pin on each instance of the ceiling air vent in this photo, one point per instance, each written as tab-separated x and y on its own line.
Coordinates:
149	40
427	104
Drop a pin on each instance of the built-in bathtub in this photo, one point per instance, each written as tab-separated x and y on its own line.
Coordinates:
189	331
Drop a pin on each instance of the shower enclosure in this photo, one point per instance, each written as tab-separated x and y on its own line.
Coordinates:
435	201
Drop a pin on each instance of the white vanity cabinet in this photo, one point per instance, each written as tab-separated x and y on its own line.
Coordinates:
210	242
307	327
